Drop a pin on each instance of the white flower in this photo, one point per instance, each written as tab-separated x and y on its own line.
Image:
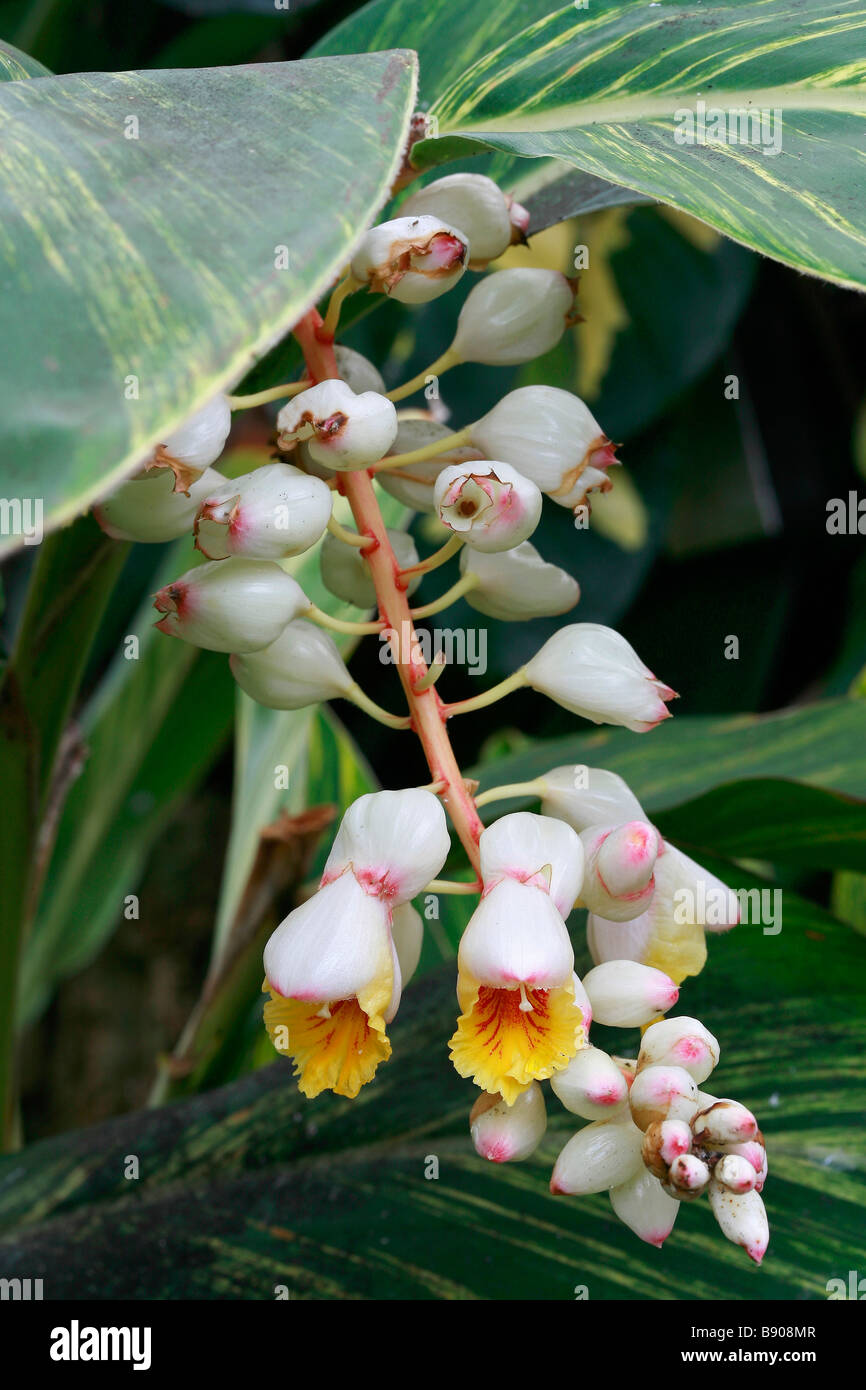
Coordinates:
395	842
517	584
552	437
334	981
346	573
273	512
490	505
412	259
742	1218
473	203
516	937
342	430
413	484
300	668
586	796
239	606
594	672
725	1122
618	881
195	444
506	1133
670	934
592	1086
537	850
681	1042
513	316
662	1093
148	508
603	1155
358	371
624	994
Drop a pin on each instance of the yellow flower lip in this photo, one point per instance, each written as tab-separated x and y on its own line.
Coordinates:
336	1046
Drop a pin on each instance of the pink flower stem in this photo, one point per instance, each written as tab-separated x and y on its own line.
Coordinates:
427	712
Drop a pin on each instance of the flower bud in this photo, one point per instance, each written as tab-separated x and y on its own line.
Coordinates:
271	513
725	1122
618	881
515	585
358	371
475	204
513	316
491	505
587	796
624	994
342	430
508	1133
591	1086
754	1152
533	849
600	1156
663	1141
643	1205
680	1042
413	485
662	1093
553	438
688	1176
407	932
594	672
394	842
412	259
147	508
240	606
346	573
520	219
195	444
736	1173
742	1218
300	668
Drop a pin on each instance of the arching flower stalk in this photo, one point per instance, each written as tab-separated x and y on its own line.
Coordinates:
336	967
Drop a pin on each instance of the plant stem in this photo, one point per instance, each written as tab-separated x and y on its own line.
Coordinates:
426	708
273	393
442	364
343	533
429	451
468	581
510	789
360	698
489	697
347	286
318	615
439	557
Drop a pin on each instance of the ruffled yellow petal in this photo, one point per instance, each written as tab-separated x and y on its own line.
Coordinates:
334	1048
677	948
503	1048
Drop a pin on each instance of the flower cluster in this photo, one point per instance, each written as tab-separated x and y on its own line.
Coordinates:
336	966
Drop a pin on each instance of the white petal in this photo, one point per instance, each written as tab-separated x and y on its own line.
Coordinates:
548	433
506	1133
199	441
742	1218
407	931
643	1205
515	585
235	606
627	995
273	512
489	504
605	1154
513	316
514	936
591	1086
396	839
594	672
472	202
148	508
523	845
586	796
300	668
331	947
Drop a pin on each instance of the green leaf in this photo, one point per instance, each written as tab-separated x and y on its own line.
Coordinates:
148	264
251	1187
150	733
14	65
598	88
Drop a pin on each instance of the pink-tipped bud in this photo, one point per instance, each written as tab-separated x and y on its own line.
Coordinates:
625	994
519	218
508	1133
618	882
147	508
594	672
342	430
515	585
591	1086
755	1153
273	512
725	1122
239	606
664	1141
601	1156
742	1218
413	259
476	205
643	1205
662	1093
680	1042
735	1173
688	1177
302	667
489	505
